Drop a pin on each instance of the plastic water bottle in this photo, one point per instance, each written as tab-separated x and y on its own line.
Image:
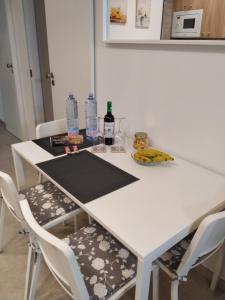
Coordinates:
91	117
72	116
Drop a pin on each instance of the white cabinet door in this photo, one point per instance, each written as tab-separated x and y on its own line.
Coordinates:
71	51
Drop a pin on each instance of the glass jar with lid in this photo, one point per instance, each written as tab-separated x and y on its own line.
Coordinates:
140	140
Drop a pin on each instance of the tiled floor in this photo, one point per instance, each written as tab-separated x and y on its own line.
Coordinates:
6	140
13	258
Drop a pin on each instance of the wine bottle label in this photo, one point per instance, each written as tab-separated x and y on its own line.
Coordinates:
109	130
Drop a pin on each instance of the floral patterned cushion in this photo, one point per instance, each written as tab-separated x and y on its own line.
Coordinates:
47	202
172	258
105	264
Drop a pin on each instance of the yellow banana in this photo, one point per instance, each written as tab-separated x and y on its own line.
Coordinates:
141	158
149	152
161	158
151	155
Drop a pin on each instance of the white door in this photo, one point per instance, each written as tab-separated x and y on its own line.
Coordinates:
7	79
71	51
32	48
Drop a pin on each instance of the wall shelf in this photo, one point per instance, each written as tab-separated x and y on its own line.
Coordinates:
169	42
129	34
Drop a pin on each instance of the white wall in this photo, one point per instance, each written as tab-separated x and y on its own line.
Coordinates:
1	108
175	93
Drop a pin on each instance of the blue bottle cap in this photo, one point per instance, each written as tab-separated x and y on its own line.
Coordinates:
71	96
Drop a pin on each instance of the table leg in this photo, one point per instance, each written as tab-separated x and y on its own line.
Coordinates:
143	279
19	170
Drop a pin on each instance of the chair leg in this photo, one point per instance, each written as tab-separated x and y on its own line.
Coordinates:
36	268
89	220
39	178
218	268
2	220
28	272
75	223
155	282
174	289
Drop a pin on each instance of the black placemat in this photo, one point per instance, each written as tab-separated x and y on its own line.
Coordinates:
86	176
59	150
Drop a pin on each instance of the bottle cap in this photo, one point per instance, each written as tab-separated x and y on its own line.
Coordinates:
71	96
109	106
91	96
141	135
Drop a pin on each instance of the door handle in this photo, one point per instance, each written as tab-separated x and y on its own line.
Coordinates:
50	75
9	66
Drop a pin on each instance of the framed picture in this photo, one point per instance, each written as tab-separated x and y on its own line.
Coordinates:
131	21
118	11
143	9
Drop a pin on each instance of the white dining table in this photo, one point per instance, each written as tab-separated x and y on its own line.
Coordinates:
150	215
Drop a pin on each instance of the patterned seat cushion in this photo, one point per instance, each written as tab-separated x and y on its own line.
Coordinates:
172	258
47	202
105	264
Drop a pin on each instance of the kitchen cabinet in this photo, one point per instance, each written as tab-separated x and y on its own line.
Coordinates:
183	5
190	4
213	21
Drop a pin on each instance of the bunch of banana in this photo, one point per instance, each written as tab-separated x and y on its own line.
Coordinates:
151	156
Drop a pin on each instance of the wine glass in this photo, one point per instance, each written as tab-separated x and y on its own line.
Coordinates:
99	134
120	137
98	142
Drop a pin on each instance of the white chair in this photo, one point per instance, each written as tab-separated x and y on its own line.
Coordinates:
89	264
10	198
192	251
49	207
51	128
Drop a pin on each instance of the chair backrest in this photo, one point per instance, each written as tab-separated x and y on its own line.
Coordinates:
10	195
58	256
51	128
208	239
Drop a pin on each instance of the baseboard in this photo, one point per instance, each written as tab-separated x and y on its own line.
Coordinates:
208	274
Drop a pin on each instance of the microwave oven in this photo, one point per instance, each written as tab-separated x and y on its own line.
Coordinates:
187	24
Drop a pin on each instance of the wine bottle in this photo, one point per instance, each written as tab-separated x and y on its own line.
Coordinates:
109	125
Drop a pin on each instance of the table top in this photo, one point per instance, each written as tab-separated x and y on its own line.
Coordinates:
152	214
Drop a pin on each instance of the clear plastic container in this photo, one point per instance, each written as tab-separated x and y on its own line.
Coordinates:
91	116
